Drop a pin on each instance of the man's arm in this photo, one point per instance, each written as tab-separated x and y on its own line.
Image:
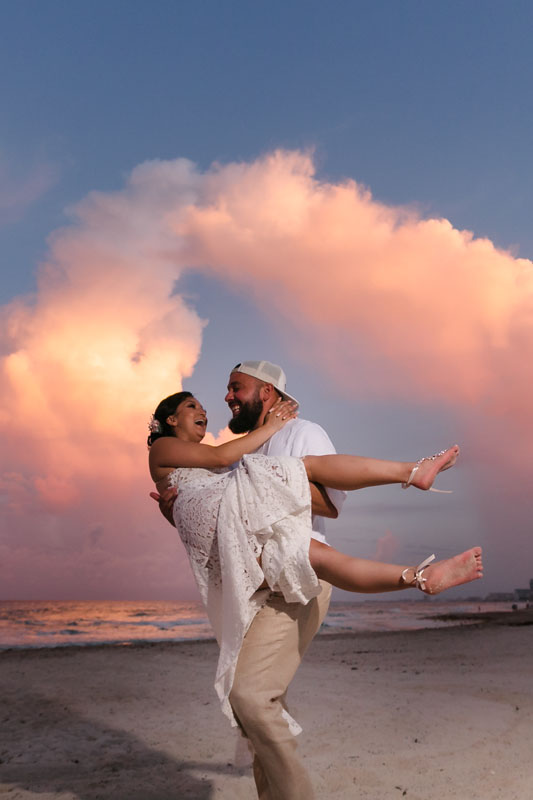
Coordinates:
312	439
320	502
166	502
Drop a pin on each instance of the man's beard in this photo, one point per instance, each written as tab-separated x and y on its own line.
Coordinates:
247	418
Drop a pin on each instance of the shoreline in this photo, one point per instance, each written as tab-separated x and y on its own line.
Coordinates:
522	616
428	712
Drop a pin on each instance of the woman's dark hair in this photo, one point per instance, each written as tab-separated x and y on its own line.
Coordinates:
165	409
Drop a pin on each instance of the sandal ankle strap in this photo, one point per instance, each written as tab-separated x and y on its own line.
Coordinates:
419	581
420	461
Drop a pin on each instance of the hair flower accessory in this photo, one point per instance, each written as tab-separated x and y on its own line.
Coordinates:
154	426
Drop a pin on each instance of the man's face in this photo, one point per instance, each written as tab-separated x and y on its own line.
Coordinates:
244	400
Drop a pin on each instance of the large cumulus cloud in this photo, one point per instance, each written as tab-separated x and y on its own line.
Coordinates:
416	309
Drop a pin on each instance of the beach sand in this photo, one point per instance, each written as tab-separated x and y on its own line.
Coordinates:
444	714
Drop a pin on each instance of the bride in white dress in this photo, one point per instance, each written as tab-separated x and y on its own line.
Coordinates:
247	529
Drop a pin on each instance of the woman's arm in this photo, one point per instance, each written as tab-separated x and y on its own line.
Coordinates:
168	452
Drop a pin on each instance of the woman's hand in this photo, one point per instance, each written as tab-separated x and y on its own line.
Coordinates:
280	413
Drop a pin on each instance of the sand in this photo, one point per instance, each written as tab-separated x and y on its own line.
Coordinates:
427	714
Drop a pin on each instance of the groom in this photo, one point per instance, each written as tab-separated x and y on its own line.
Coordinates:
280	632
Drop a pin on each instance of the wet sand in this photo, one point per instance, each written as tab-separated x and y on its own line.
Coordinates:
444	714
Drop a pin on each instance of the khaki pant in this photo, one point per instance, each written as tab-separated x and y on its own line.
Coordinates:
270	655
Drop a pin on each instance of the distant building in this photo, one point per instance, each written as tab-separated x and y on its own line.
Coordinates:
524	595
500	597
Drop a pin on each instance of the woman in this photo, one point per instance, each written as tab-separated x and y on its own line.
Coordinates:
249	528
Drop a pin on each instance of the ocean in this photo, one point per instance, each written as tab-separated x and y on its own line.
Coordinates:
28	625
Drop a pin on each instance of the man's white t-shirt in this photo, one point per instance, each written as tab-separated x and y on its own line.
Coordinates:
299	438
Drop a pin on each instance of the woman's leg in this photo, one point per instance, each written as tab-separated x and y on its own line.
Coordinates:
358	472
354	574
360	575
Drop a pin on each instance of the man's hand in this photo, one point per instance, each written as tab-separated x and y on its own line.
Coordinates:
166	502
321	505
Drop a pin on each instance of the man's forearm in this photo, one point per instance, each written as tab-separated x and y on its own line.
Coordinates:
166	502
321	505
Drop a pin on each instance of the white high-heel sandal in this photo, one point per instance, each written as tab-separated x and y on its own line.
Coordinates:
409	481
419	581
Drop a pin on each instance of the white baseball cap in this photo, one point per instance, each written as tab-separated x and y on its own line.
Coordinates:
267	372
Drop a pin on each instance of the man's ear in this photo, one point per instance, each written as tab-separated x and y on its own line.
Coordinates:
267	391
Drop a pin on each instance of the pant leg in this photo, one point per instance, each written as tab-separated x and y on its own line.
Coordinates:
271	653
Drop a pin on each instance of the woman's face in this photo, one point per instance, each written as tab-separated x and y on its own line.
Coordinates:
189	421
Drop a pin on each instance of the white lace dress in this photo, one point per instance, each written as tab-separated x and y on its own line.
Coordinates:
226	520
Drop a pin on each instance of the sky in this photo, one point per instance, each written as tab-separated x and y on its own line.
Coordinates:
344	189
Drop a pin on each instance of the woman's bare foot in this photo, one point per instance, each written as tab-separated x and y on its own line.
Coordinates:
426	470
451	572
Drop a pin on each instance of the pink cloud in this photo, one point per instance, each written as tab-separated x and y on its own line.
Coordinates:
85	362
449	314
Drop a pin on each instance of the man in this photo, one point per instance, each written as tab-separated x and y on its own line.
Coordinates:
281	632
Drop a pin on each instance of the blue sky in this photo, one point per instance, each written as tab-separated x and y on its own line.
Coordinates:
426	103
429	105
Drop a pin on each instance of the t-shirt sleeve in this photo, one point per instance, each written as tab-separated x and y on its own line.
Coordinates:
312	440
